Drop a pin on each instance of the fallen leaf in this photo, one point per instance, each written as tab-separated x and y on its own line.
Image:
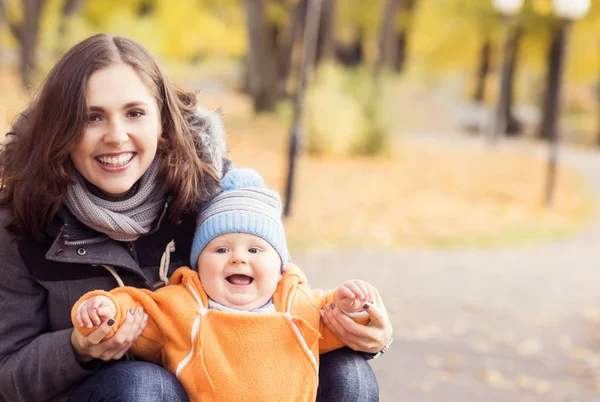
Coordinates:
496	379
530	347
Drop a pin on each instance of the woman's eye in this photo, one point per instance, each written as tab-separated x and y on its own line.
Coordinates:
93	118
254	250
135	113
221	250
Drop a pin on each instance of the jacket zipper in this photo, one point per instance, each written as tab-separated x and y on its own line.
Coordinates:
132	251
86	242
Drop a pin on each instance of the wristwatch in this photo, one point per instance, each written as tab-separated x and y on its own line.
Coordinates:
370	356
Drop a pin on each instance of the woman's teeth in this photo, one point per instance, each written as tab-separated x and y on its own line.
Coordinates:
115	160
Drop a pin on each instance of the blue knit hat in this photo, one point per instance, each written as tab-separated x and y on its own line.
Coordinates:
245	206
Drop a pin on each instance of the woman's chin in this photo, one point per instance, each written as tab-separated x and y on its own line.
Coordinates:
116	190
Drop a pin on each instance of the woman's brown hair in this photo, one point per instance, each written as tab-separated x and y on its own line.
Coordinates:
35	167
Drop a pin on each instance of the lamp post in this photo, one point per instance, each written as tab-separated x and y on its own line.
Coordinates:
509	9
567	11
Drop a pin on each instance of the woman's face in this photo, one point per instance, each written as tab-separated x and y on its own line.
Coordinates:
122	132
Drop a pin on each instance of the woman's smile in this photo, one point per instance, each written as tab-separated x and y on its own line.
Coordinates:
115	163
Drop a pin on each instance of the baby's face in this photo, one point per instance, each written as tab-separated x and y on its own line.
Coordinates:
239	270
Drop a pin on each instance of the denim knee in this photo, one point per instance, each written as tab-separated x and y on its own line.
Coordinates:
130	381
345	375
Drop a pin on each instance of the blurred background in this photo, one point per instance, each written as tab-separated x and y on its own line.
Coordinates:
447	151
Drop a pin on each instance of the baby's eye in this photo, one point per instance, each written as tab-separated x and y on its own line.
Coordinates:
221	250
135	113
254	250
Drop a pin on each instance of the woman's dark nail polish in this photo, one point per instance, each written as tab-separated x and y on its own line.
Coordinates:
132	311
366	306
110	322
332	306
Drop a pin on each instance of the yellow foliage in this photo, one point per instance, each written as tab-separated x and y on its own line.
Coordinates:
278	14
542	7
181	30
334	118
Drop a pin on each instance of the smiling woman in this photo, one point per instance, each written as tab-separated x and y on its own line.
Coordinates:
121	137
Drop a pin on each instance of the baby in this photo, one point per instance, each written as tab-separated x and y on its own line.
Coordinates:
242	324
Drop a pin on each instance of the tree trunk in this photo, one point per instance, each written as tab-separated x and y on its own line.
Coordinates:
500	122
311	33
32	10
387	43
556	69
513	126
551	83
482	71
325	42
263	57
286	51
402	36
400	54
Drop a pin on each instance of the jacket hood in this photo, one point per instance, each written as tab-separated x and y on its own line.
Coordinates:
208	126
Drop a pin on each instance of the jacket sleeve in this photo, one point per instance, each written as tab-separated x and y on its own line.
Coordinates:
328	340
149	344
158	305
35	364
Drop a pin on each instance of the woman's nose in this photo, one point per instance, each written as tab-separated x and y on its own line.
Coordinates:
116	133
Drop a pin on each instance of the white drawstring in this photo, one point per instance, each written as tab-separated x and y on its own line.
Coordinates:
163	270
113	272
164	262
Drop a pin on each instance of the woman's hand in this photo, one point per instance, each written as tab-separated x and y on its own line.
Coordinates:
92	346
370	338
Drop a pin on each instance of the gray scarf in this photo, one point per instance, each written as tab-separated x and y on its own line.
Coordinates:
122	220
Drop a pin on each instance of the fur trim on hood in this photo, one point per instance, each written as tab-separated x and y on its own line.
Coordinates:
208	125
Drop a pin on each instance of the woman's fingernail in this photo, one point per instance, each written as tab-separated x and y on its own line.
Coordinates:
132	311
140	310
322	313
145	317
366	306
110	322
332	306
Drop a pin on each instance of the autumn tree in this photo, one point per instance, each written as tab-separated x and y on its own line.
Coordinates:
25	30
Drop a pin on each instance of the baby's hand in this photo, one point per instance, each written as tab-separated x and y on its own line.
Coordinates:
352	296
95	311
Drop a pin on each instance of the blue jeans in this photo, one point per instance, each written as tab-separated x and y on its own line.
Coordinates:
344	376
130	381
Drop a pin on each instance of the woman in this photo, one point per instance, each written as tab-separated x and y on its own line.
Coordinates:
107	166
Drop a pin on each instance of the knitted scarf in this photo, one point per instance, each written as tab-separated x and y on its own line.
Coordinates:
123	220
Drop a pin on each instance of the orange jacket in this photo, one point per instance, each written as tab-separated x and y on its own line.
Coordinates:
223	356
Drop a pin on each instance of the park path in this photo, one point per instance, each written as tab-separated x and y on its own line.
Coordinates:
497	325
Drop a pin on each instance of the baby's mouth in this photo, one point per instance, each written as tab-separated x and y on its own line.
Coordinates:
240	280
